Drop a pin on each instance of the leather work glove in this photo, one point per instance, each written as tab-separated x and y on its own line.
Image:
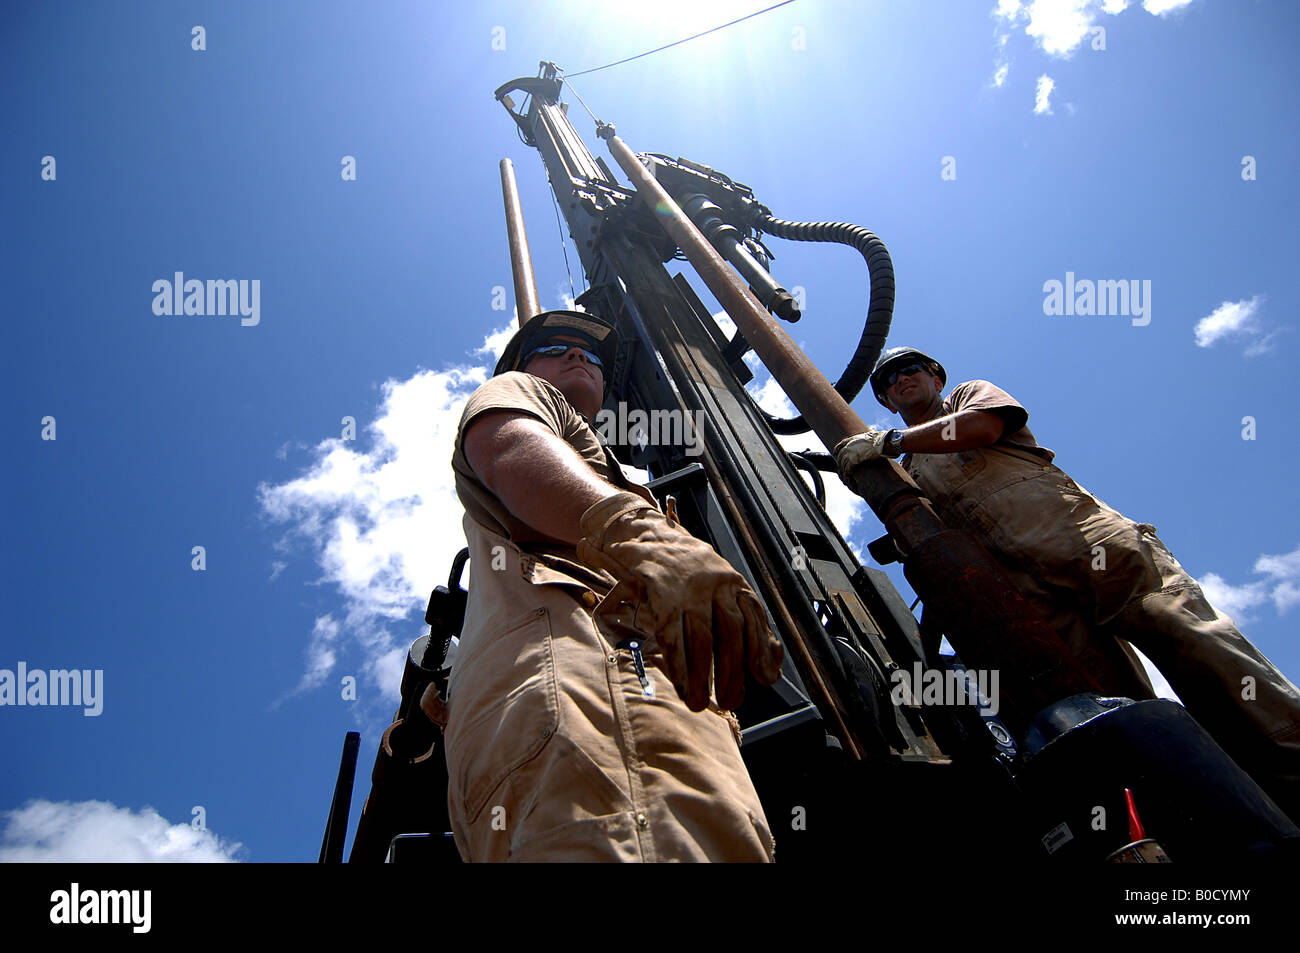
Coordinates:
703	613
851	451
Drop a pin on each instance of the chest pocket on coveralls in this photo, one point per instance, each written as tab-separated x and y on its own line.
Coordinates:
942	476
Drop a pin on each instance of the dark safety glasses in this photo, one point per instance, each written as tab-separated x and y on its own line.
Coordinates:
559	350
908	370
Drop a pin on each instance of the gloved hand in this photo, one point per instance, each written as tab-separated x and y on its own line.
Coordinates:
849	452
700	609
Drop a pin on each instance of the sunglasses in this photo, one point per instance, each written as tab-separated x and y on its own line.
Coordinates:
559	350
908	370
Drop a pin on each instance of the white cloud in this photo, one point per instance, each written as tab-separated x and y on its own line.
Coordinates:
1286	596
282	453
1280	586
1236	601
1000	76
1160	7
320	653
99	832
1059	27
495	343
768	394
565	293
729	328
1283	574
1042	95
383	522
1231	317
1262	346
1236	319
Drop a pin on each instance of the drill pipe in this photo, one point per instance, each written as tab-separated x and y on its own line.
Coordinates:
986	620
527	302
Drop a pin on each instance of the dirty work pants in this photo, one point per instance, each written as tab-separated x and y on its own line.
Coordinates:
1103	579
555	752
1245	703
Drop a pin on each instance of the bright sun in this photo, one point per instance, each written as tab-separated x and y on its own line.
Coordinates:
666	21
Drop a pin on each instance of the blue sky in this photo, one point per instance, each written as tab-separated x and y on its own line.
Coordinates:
221	688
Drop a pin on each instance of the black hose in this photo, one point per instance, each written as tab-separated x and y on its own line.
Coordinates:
801	461
880	308
457	567
822	461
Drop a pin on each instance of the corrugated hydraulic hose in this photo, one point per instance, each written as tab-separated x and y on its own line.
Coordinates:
880	308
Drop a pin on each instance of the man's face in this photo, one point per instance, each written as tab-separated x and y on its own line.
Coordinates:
572	374
914	392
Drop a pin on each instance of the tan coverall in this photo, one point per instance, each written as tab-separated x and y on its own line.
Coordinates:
1101	579
556	750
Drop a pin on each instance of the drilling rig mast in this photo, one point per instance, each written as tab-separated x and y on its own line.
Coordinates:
844	759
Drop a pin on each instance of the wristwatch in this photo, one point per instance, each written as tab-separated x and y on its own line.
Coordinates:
894	443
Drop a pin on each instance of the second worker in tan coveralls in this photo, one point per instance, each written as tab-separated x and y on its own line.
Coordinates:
1099	577
582	720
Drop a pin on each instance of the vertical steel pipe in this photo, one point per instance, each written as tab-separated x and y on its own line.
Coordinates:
984	617
527	303
336	827
830	415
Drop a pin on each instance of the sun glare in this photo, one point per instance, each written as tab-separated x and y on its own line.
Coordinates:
667	21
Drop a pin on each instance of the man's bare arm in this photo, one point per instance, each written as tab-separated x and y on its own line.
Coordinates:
964	430
706	618
534	473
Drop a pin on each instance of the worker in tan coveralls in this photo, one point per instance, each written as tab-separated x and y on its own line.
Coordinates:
1099	577
582	720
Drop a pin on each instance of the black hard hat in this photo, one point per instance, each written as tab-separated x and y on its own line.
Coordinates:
598	333
897	357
